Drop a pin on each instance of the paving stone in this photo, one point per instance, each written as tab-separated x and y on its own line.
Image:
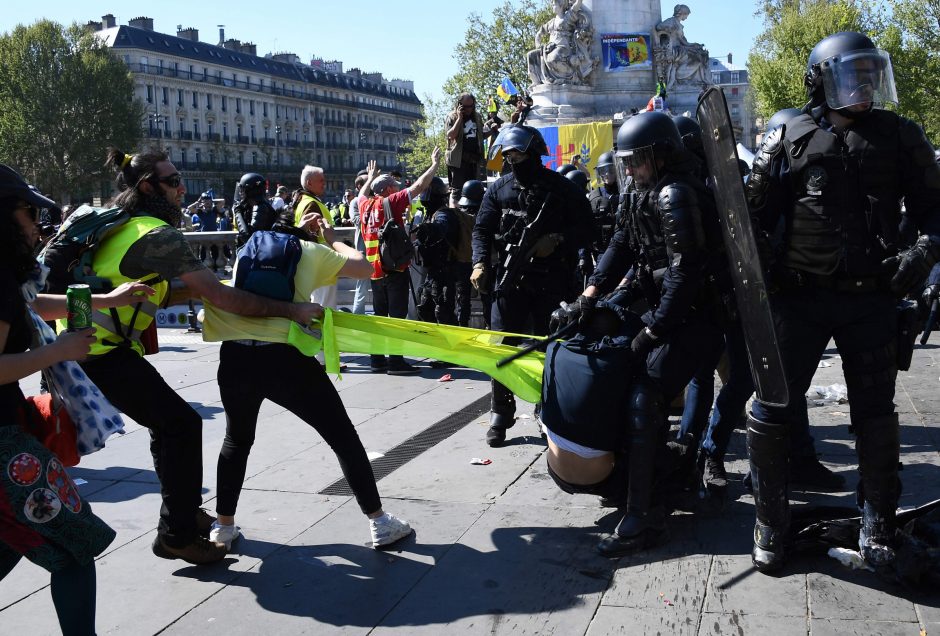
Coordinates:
835	627
855	595
660	621
735	587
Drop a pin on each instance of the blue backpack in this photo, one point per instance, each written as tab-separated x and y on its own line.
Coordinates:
267	264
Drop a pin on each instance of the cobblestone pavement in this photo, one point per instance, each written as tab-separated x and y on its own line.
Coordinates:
498	548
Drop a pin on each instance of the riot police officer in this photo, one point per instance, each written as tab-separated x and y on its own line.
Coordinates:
671	227
537	220
834	176
252	211
604	200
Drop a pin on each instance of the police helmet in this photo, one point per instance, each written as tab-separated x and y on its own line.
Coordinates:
436	194
847	69
643	141
781	117
252	186
471	195
605	166
565	168
519	137
690	133
578	178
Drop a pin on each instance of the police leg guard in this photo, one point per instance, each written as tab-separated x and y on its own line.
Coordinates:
644	524
767	450
502	415
878	448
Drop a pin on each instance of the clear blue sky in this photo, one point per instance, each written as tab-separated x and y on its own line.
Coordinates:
410	40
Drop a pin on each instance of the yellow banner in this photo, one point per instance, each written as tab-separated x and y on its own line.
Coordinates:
588	140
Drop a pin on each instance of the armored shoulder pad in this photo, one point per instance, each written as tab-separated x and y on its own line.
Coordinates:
759	179
681	218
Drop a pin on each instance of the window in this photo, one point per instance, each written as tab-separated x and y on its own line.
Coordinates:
253	138
251	107
179	97
224	132
238	130
195	99
143	64
182	125
208	101
192	71
264	108
205	73
734	91
238	104
166	95
196	128
166	127
735	77
209	129
198	156
183	156
254	158
224	103
149	94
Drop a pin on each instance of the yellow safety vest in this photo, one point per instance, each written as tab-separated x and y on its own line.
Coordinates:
303	207
132	319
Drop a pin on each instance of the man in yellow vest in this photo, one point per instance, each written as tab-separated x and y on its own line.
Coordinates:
148	247
313	185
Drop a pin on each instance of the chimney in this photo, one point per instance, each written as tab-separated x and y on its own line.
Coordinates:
141	23
93	26
190	34
729	58
249	48
221	34
232	45
290	58
108	21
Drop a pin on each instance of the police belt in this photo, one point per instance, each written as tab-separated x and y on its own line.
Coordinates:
798	279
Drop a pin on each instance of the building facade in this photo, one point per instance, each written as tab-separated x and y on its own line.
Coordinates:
221	110
734	81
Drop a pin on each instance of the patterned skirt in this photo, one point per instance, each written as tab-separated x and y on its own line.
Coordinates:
42	516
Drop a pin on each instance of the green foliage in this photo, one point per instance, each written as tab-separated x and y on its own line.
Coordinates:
428	132
63	99
495	49
911	34
777	62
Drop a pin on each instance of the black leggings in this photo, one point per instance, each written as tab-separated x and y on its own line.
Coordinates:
73	594
278	372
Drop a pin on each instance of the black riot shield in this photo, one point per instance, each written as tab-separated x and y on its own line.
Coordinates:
750	291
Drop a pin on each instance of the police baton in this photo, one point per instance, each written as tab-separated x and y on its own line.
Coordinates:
931	321
565	331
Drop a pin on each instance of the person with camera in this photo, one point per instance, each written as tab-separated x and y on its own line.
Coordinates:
540	220
465	136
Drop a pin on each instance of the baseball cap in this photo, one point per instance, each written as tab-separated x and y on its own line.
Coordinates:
384	181
12	184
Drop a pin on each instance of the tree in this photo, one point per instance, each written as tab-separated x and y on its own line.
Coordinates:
427	133
63	99
494	50
911	34
777	62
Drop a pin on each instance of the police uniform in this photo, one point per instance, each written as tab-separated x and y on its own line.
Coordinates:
837	193
603	201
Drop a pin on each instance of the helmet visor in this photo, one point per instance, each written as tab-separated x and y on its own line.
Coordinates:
638	163
605	171
859	78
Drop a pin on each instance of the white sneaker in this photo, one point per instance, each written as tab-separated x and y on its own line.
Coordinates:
388	529
224	534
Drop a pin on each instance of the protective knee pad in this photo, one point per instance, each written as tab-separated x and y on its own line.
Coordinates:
879	448
767	450
646	420
871	376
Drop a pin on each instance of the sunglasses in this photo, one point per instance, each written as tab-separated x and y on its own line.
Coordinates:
174	180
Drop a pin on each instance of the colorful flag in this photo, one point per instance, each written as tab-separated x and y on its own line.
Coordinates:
588	140
506	88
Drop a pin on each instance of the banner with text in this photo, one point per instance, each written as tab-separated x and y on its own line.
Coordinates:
625	51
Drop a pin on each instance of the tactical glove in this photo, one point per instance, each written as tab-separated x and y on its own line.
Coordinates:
931	293
643	343
913	265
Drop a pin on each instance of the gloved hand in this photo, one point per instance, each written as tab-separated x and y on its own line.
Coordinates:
913	265
478	277
546	245
931	293
643	343
578	311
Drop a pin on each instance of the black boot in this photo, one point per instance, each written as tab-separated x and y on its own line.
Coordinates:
635	532
496	434
878	447
502	414
767	449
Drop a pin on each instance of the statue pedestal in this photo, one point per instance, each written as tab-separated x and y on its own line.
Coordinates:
561	104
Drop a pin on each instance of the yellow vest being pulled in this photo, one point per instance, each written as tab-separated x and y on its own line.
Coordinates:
131	319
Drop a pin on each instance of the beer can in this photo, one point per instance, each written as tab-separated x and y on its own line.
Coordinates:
78	305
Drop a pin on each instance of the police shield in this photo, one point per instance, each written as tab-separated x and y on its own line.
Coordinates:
750	290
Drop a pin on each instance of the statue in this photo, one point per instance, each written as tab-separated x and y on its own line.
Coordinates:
562	52
680	61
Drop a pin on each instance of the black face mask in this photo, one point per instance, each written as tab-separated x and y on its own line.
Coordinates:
526	171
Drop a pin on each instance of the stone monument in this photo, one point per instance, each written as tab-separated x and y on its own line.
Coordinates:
595	58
